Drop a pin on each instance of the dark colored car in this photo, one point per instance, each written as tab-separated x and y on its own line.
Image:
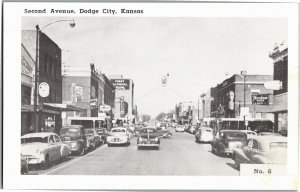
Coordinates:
227	140
74	136
103	134
148	137
283	132
91	134
164	132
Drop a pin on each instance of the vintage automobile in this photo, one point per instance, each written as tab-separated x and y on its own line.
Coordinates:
91	134
262	150
250	134
148	137
179	128
74	136
43	148
24	165
163	132
283	132
204	134
119	135
103	134
268	134
227	140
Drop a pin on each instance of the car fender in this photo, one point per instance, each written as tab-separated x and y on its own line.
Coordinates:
240	155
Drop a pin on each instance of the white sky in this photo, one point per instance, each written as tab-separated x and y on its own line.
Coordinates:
196	52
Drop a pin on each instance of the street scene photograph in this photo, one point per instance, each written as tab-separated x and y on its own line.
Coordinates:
153	96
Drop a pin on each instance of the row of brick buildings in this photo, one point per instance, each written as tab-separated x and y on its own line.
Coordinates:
74	91
245	96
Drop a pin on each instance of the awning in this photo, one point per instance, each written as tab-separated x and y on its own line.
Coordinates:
64	107
50	108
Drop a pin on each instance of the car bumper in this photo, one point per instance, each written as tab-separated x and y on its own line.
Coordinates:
147	144
32	160
116	142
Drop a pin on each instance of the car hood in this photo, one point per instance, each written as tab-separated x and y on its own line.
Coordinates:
31	148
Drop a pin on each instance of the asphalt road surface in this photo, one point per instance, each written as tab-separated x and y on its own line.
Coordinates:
178	155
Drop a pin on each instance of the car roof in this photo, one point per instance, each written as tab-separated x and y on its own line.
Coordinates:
119	128
231	130
247	131
40	134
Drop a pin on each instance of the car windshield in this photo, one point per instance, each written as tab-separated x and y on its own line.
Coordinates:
72	132
148	131
119	131
276	145
88	131
207	130
34	140
235	135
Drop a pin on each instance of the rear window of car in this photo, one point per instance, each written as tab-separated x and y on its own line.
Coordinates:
144	131
35	139
234	135
207	130
276	145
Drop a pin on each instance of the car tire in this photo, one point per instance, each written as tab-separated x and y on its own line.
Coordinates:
109	144
237	164
46	164
138	147
157	148
82	151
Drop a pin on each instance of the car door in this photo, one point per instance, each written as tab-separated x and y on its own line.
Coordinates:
52	148
57	147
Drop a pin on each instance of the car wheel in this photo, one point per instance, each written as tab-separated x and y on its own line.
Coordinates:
82	151
138	147
24	170
109	144
157	148
46	164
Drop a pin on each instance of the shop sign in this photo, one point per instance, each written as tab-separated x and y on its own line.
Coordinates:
260	99
105	108
121	84
93	102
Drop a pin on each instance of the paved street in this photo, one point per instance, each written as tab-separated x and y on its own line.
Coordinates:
179	155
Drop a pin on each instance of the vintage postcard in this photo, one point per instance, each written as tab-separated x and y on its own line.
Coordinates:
124	96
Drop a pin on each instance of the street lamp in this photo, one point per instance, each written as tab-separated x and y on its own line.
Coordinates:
36	77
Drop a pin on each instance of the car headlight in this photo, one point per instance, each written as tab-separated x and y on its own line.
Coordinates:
156	139
140	139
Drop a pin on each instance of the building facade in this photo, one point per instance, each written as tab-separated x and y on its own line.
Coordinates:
83	88
124	98
280	104
184	112
242	92
49	72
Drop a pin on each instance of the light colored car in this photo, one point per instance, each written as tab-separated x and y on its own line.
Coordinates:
43	148
204	134
250	134
179	128
119	135
262	150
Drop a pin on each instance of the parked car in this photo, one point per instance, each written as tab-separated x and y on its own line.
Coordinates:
262	150
148	137
227	140
24	165
103	134
193	129
164	132
179	128
204	134
268	134
74	136
250	134
92	135
43	148
119	135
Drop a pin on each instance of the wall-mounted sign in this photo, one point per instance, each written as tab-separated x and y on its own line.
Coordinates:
121	84
44	89
260	99
273	85
105	108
